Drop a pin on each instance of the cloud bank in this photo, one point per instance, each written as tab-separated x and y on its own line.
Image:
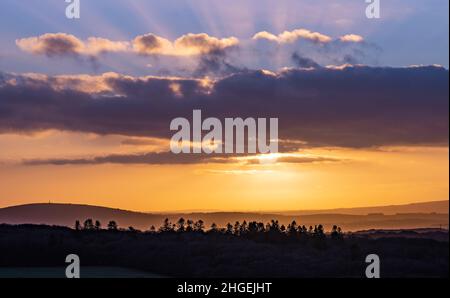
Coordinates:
168	158
291	36
200	54
62	44
353	106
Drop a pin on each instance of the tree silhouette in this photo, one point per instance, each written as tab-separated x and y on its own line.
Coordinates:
274	226
273	231
260	227
180	225
88	224
112	226
237	228
304	230
199	225
167	226
214	228
292	228
98	225
190	225
319	231
336	232
253	227
77	225
229	229
255	252
244	228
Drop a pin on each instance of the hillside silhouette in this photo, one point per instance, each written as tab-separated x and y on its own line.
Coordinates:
423	215
425	207
188	248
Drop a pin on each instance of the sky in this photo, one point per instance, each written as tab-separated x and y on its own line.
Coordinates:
85	104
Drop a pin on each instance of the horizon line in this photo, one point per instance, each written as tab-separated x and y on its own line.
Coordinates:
223	211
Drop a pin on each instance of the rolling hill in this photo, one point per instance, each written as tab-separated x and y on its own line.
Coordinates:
423	215
427	207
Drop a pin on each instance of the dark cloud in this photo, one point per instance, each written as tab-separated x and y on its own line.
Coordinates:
139	142
61	45
297	159
52	44
349	107
154	158
148	44
215	62
198	55
168	158
304	62
345	52
349	59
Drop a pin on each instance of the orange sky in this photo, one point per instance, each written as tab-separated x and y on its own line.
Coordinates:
357	178
86	105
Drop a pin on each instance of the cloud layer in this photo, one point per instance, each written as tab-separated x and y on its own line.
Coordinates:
347	107
62	44
204	55
186	45
292	36
168	158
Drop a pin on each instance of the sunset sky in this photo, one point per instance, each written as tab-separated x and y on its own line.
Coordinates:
85	105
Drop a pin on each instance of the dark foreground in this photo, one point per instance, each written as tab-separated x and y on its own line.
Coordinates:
266	253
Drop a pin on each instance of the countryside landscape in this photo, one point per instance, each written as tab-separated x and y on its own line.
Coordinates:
247	139
223	244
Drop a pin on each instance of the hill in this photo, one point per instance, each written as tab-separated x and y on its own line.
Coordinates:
426	207
66	214
247	253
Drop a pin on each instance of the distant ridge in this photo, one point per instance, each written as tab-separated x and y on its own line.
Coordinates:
66	214
422	207
419	215
425	207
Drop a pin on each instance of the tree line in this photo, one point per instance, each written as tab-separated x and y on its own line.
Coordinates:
238	229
